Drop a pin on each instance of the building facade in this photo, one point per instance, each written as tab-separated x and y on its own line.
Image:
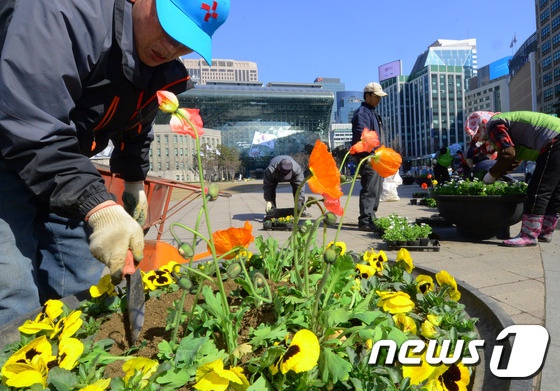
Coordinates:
548	55
333	85
221	70
426	110
262	122
489	90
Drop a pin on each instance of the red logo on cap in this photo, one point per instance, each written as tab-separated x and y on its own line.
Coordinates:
210	12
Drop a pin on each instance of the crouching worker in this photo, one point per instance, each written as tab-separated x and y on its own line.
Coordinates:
285	169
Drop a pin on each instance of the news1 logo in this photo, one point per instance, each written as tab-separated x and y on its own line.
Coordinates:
526	357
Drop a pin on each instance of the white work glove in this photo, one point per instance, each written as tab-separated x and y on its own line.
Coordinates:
488	178
114	233
135	201
268	207
434	161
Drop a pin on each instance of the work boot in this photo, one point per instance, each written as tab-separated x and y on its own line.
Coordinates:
530	230
548	226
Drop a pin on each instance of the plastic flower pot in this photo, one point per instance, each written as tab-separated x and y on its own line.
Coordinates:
481	216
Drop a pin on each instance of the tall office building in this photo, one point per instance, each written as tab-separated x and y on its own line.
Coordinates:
425	110
548	55
221	70
333	85
489	90
522	80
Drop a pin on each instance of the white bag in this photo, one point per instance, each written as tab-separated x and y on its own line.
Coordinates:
390	185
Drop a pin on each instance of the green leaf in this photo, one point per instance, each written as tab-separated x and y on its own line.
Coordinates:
267	333
212	302
188	348
62	379
333	367
367	317
261	385
175	379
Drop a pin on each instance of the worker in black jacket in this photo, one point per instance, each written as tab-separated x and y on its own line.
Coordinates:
75	74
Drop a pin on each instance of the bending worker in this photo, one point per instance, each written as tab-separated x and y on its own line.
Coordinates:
530	136
282	168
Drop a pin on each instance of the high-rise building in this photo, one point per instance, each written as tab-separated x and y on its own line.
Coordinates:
548	55
489	90
522	80
425	110
333	85
221	70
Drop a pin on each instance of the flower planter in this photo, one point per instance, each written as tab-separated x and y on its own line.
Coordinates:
481	217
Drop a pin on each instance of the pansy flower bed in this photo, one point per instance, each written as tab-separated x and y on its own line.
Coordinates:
303	315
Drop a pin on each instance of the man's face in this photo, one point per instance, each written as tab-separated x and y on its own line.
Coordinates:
153	45
372	99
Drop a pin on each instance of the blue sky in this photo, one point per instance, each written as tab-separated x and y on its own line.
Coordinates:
299	40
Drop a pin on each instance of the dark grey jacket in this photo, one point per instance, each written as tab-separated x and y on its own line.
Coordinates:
70	80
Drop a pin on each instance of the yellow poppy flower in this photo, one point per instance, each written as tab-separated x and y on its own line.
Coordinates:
404	258
213	377
424	283
104	286
395	302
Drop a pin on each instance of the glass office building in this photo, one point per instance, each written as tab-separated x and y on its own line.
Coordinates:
262	122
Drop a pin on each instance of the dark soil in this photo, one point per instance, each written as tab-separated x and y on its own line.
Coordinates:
153	331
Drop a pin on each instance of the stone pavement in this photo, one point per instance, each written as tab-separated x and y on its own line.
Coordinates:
522	282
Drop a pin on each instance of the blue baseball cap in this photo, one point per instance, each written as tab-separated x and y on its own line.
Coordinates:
193	22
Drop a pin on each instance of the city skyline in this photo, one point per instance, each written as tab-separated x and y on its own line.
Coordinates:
299	41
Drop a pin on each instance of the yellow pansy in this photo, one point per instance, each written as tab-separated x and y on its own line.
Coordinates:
99	385
424	283
69	351
157	278
340	247
213	377
395	302
104	286
366	271
404	258
69	325
28	365
405	323
302	354
143	365
429	330
453	378
445	279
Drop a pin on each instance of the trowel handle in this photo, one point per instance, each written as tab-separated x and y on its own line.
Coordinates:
129	266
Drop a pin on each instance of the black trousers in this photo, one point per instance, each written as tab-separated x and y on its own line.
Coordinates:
543	193
441	174
372	186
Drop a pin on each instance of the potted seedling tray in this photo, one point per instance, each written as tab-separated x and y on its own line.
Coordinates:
431	245
279	219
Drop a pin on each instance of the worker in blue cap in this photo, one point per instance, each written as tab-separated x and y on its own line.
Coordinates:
76	75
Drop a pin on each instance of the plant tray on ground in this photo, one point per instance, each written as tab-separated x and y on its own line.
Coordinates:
269	225
434	220
433	245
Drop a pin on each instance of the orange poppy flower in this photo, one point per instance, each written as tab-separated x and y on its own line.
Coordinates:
227	239
368	142
424	185
326	177
333	205
187	122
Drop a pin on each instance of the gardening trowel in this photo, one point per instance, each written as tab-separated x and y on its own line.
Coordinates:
135	297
